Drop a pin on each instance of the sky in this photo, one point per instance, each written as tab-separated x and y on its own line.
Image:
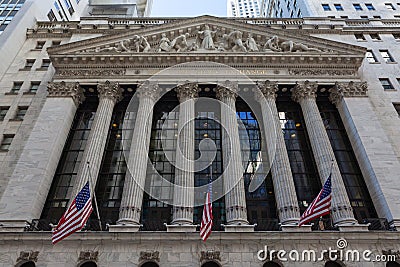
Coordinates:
188	8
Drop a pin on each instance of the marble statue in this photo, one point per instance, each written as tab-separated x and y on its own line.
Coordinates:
273	44
164	44
140	44
206	36
180	43
290	46
233	41
251	44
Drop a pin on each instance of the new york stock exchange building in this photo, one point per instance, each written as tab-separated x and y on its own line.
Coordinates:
136	106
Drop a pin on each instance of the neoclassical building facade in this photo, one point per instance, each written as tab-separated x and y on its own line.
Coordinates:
130	104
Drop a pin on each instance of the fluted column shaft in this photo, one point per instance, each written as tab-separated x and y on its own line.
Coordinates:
184	168
282	179
132	195
109	95
235	198
341	210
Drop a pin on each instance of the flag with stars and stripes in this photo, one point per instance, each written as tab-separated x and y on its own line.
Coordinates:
321	205
75	218
207	220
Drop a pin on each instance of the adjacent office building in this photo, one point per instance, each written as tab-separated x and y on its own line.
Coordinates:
244	8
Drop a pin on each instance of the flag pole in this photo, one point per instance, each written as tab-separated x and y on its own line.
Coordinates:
94	195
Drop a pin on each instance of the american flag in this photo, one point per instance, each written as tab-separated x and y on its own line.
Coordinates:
207	220
74	219
320	206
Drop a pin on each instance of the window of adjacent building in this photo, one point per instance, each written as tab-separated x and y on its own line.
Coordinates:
397	106
389	6
55	43
357	7
338	7
29	63
16	87
359	37
386	84
396	36
51	16
386	56
326	7
377	17
370	6
69	6
3	112
6	142
40	44
34	87
45	63
364	17
375	37
370	56
21	112
344	17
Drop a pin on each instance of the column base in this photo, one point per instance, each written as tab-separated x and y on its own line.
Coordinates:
119	228
296	228
184	228
239	228
353	227
13	225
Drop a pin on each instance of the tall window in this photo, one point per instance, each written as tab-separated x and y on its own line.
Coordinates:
34	87
338	7
375	37
386	84
354	182
6	142
16	87
370	6
20	114
357	7
389	6
67	170
3	112
370	56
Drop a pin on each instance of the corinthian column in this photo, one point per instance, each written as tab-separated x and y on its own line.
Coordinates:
341	211
235	198
109	94
184	169
285	191
132	196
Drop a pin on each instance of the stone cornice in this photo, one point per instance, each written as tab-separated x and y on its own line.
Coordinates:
63	89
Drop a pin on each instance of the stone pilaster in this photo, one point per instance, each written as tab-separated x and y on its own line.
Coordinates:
35	169
235	198
184	168
378	177
341	211
109	94
282	179
132	196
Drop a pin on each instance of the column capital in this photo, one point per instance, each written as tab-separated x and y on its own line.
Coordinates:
187	90
351	89
148	89
227	89
63	89
110	90
268	90
304	90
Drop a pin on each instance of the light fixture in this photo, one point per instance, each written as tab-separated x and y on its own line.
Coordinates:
293	135
205	124
118	136
298	124
205	135
115	125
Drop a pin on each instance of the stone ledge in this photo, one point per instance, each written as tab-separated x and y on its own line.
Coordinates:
296	228
239	228
124	228
181	228
354	228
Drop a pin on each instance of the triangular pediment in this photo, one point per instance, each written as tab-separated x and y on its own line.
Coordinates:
207	34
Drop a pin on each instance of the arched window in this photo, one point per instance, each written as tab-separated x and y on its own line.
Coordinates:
332	264
149	264
88	264
392	264
271	264
210	264
28	264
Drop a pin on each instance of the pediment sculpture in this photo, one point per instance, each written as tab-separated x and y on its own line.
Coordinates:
206	40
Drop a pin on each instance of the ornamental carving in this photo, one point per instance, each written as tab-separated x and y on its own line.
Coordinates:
110	90
268	89
227	89
91	72
205	40
304	90
322	72
149	256
210	256
187	91
63	89
25	256
88	255
149	89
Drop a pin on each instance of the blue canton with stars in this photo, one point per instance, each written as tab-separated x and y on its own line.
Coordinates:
327	188
83	197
